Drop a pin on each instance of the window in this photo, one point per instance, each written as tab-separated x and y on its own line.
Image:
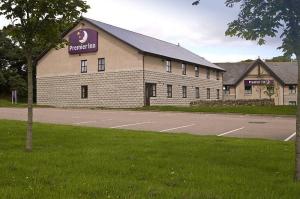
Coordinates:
84	92
226	90
183	69
153	90
101	64
197	92
83	66
292	103
218	75
208	73
197	71
208	93
270	89
184	92
168	66
293	89
169	91
248	90
218	93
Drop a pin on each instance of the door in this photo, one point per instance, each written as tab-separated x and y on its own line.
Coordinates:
147	94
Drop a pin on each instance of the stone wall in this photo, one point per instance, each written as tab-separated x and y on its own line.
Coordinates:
177	81
122	89
116	90
242	102
290	97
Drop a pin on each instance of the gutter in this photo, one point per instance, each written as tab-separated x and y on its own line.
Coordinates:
144	91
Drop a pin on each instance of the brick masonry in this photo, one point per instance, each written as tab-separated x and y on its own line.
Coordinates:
122	89
177	81
289	98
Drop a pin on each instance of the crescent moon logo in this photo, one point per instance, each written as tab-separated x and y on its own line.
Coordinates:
84	38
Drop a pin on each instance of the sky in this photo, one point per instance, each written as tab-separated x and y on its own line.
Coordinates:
200	29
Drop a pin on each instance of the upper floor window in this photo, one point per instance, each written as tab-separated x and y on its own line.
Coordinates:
168	66
208	73
83	66
218	75
101	64
169	91
183	69
197	91
84	92
208	93
184	92
293	89
248	89
197	71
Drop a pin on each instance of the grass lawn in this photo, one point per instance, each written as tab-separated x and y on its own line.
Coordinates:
73	162
7	103
264	110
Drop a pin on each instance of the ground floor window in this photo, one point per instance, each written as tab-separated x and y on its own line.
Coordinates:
208	93
293	89
226	90
292	103
153	90
184	92
248	89
197	91
218	93
169	91
84	92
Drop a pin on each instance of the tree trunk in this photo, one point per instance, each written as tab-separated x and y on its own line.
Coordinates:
30	103
297	143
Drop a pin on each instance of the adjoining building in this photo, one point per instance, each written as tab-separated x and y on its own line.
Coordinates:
107	66
255	80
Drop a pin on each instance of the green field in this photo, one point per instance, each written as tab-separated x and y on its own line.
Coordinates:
261	110
73	162
7	103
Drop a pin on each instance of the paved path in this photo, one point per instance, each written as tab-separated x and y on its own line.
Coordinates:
243	126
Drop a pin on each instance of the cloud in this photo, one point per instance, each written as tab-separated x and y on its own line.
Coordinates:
198	28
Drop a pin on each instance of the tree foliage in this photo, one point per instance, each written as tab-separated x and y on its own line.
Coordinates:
36	23
280	59
260	19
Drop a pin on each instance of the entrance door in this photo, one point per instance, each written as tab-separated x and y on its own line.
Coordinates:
147	94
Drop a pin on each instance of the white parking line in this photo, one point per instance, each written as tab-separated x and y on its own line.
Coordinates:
88	122
289	138
180	127
125	125
226	133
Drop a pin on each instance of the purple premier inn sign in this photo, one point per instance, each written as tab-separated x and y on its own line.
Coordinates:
258	82
83	41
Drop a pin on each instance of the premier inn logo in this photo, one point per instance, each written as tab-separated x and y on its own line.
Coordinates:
83	41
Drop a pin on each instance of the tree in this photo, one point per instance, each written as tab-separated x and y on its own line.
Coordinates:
271	18
36	23
269	90
280	59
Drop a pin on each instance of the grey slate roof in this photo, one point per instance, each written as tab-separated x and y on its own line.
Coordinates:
153	46
287	72
234	71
